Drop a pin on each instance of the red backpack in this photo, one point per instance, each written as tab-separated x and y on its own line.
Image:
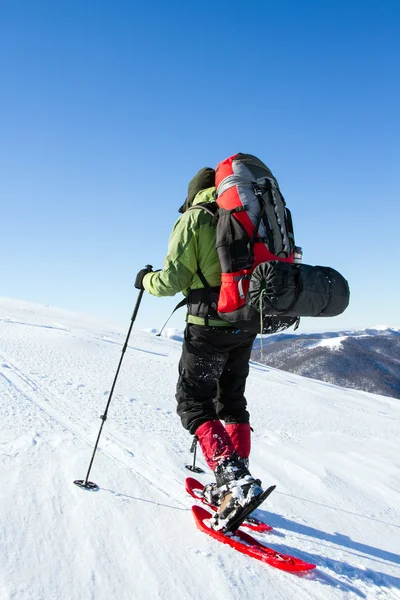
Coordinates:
254	227
263	288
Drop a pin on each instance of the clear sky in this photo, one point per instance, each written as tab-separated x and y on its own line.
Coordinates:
108	108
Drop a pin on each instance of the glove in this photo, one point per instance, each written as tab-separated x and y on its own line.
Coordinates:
140	276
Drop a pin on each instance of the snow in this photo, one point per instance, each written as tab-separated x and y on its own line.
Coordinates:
332	452
332	343
169	332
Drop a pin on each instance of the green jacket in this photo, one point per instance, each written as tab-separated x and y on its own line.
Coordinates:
191	245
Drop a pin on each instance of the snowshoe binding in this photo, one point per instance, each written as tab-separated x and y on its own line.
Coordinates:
211	492
240	494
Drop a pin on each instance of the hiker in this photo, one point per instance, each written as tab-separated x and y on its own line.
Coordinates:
215	355
233	254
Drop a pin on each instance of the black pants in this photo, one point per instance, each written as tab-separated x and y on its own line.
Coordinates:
212	375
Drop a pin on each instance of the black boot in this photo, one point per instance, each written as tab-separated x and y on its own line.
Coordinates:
239	490
211	492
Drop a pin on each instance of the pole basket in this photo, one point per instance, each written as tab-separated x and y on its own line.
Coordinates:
86	485
194	469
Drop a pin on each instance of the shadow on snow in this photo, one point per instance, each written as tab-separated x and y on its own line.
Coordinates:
367	575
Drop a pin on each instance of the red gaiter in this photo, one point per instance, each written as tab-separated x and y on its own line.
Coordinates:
214	442
240	434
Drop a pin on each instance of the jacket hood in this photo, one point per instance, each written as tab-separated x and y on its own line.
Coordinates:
204	196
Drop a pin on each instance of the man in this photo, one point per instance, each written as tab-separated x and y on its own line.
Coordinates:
215	356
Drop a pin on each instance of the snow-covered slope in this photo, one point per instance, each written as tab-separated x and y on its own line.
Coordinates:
333	454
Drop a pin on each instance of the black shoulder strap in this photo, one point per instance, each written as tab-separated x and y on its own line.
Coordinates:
202	278
261	202
289	226
183	302
270	234
210	207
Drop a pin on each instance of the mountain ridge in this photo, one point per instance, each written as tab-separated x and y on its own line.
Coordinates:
367	359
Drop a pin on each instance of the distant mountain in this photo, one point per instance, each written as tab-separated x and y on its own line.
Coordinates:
366	360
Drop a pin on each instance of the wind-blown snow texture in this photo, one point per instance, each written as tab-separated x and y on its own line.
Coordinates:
332	452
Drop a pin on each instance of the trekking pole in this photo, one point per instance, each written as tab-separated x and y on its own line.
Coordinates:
193	449
86	484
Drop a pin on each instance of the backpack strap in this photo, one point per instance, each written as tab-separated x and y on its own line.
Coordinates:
210	207
260	218
264	215
183	302
202	278
289	225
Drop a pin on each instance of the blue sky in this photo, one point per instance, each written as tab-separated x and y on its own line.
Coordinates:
109	108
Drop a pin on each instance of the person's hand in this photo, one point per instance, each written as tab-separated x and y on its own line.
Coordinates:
140	276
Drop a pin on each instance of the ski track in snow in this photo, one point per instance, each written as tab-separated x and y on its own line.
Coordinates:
333	454
60	412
